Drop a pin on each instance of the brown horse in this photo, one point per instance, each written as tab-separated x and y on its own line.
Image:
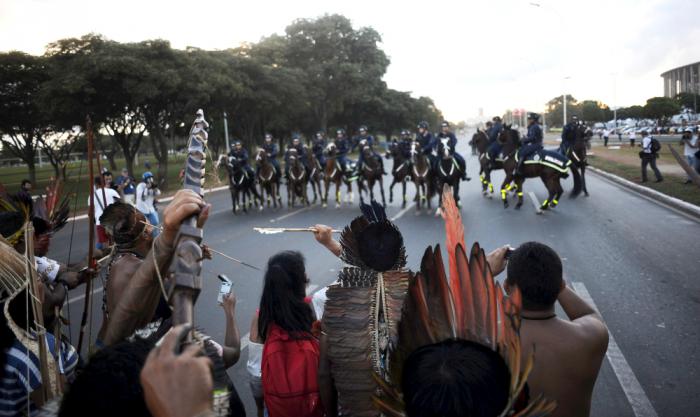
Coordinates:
315	175
371	173
550	176
298	178
577	155
241	184
333	173
448	172
422	177
401	171
269	180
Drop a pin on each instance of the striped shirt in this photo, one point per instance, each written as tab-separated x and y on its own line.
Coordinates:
22	375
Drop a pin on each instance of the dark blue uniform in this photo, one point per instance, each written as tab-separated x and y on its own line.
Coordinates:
241	156
494	148
452	144
343	147
272	151
405	147
318	146
531	143
568	135
301	154
369	142
428	144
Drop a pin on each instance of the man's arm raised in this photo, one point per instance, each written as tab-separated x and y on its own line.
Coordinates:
584	315
324	236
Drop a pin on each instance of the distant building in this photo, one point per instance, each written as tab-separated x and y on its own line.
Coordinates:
681	80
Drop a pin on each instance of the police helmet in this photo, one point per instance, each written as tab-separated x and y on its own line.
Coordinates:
340	132
496	119
319	134
445	123
533	116
362	128
268	136
423	125
405	133
295	137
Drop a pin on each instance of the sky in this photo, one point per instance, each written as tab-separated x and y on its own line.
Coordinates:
467	55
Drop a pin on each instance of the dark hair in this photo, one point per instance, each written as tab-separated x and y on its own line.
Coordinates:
282	301
455	378
536	270
109	385
380	246
98	181
10	223
25	181
40	225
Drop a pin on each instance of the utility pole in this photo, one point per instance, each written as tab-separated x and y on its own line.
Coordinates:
564	122
614	74
228	148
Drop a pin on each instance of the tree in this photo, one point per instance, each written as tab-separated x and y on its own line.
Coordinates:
555	109
660	107
58	147
688	100
595	111
22	120
632	112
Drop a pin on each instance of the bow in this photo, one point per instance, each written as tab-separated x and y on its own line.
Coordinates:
91	231
185	269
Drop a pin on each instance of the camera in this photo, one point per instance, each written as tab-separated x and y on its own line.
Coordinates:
225	288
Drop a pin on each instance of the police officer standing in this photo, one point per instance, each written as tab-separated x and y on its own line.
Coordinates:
271	149
445	133
532	142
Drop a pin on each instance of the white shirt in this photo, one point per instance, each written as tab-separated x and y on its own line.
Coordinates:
606	133
632	134
688	150
100	204
145	198
646	144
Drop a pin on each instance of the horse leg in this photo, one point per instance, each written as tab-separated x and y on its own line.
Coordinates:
550	194
290	192
456	194
519	186
403	193
558	191
504	191
324	194
234	199
338	187
305	194
418	199
381	190
391	190
439	205
583	178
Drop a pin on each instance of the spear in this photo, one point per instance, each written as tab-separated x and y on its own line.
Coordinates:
276	230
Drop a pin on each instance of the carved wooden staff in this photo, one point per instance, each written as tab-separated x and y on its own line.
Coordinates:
186	267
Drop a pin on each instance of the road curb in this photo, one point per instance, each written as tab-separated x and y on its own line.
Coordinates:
160	200
673	202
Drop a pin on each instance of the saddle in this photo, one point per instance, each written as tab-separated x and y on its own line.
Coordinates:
552	159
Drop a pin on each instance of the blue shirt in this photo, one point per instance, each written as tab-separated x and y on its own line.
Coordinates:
22	375
368	138
343	146
129	189
271	149
534	134
494	131
427	142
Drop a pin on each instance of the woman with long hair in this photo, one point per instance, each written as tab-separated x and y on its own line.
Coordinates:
290	353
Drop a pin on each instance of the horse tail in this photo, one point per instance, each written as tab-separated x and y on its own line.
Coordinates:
577	182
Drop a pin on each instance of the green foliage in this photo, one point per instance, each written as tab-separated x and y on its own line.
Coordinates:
660	107
688	100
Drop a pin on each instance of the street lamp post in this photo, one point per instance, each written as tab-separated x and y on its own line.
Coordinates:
228	148
564	122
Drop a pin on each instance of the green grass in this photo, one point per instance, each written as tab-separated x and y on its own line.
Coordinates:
672	184
77	185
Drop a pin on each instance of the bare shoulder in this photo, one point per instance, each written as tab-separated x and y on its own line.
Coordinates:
592	330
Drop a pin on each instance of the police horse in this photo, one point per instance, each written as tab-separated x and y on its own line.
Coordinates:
447	171
577	155
333	174
269	179
401	171
241	184
486	164
297	180
371	172
315	175
549	166
422	176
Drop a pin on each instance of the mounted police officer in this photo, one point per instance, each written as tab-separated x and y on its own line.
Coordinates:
271	149
446	134
427	142
366	140
405	143
342	145
240	155
494	148
301	154
532	142
568	135
318	146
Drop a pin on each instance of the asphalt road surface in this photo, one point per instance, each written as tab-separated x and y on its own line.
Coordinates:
636	259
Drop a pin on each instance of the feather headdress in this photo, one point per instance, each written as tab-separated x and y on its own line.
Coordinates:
363	307
53	207
469	306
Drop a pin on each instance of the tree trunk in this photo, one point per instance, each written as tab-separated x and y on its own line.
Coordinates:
159	145
31	167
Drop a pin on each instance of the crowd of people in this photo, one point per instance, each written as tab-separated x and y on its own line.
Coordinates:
366	345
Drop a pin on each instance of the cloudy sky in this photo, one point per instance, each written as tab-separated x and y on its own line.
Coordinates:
466	55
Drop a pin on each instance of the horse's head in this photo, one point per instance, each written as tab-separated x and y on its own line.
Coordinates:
293	155
445	151
261	155
366	151
362	144
331	150
509	138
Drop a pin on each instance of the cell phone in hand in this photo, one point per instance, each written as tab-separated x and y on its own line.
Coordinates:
225	288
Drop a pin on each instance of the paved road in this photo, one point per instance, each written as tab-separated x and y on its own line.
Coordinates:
637	260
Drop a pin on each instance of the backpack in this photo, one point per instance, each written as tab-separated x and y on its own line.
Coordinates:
289	375
655	145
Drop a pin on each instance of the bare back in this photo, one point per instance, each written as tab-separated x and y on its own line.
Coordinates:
568	356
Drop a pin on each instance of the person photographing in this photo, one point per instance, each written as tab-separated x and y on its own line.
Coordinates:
146	192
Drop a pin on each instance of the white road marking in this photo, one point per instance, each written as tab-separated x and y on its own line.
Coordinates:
245	340
402	212
641	406
535	202
81	296
295	212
